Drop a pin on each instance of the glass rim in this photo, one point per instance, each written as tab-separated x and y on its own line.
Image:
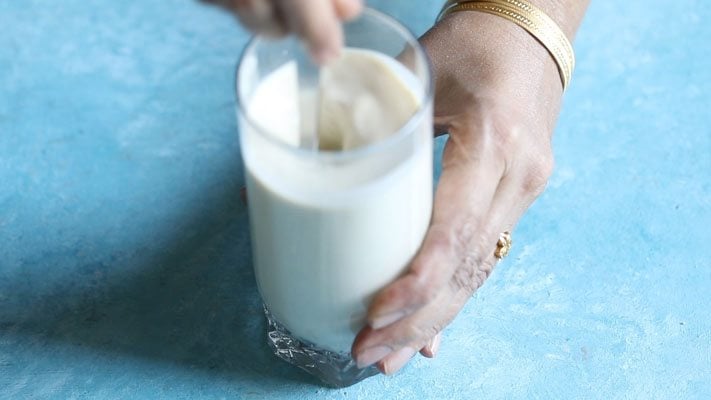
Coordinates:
406	130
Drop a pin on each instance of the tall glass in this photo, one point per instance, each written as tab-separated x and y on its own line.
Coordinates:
331	228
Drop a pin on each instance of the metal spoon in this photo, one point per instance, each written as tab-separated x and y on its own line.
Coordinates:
309	102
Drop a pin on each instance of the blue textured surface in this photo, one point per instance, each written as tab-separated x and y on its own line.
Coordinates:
124	257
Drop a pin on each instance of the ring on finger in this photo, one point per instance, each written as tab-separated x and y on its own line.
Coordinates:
503	245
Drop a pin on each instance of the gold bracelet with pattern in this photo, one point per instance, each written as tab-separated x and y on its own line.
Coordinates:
530	18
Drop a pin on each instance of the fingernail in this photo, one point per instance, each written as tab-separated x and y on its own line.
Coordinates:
387	319
372	355
397	360
435	344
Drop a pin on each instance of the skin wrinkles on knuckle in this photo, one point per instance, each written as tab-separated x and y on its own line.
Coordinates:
474	268
469	254
468	277
486	267
427	270
465	232
444	245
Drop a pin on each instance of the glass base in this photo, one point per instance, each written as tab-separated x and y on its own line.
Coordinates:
334	369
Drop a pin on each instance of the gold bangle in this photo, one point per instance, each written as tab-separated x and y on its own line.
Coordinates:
530	18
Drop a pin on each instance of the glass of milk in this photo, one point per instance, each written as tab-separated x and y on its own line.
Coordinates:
339	181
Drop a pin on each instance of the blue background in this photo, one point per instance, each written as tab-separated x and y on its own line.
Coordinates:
124	257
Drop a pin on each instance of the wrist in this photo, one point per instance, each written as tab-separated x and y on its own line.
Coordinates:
496	55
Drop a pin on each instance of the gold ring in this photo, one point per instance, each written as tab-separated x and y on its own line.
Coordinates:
503	245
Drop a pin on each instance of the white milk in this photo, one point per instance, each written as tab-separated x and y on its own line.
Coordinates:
329	230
